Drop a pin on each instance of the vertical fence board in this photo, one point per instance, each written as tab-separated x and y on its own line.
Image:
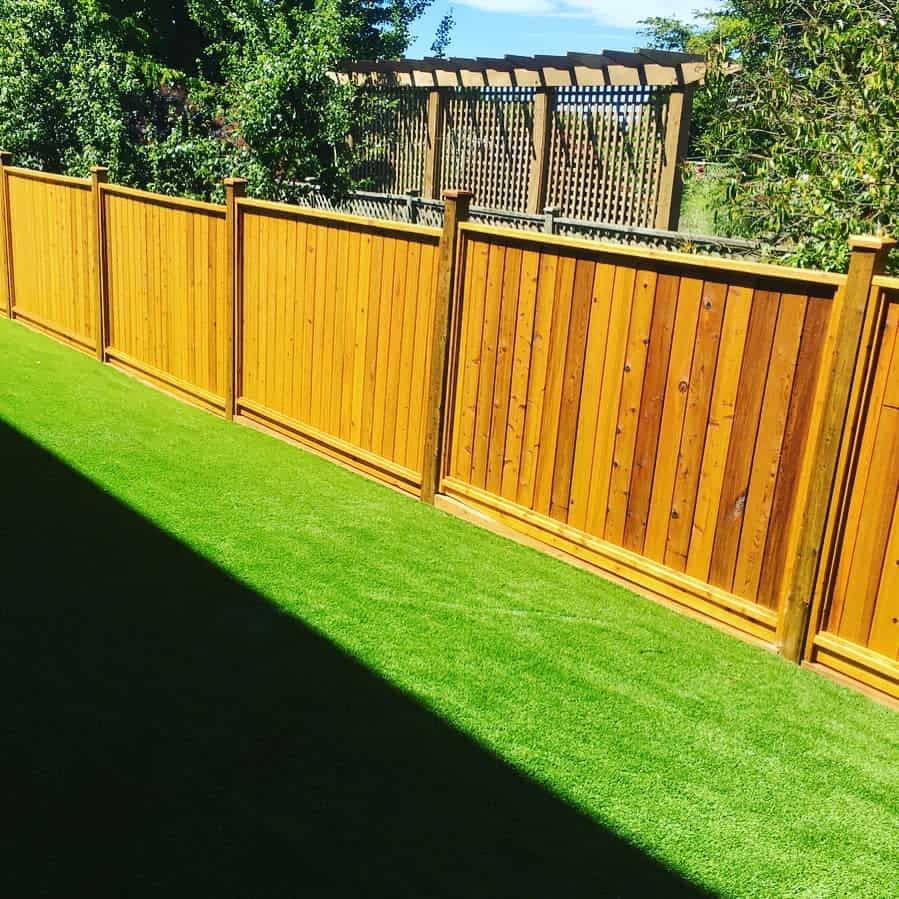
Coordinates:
673	417
651	406
771	433
745	428
629	405
591	390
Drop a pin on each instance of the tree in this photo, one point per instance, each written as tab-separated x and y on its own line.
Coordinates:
444	35
668	33
710	36
173	96
810	123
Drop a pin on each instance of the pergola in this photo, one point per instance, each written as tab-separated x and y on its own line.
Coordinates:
600	135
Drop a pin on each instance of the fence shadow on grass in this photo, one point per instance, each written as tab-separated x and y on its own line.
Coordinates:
167	731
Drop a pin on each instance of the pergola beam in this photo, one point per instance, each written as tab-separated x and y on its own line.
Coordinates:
607	68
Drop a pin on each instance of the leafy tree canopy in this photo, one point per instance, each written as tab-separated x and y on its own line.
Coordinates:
802	103
173	96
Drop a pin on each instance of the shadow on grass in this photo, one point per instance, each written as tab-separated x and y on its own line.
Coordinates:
167	731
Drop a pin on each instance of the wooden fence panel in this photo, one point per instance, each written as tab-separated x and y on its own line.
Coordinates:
859	623
334	331
646	409
168	306
53	257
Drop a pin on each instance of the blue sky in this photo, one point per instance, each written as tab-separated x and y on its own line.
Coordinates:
497	27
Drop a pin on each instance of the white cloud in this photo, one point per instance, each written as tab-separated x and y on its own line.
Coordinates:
619	14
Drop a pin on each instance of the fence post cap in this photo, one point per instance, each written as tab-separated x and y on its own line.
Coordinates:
5	157
871	242
457	194
99	169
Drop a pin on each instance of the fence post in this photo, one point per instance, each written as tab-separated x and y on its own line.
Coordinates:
456	204
827	431
234	188
100	175
677	139
6	231
412	205
433	149
544	101
549	219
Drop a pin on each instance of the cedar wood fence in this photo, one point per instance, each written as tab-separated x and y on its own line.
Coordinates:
720	432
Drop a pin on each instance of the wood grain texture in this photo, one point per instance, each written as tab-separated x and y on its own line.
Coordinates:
169	306
862	609
336	325
52	258
635	403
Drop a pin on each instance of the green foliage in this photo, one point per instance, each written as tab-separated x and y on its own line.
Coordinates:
810	123
173	97
444	35
710	36
668	33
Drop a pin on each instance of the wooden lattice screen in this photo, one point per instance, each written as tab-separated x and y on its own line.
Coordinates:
393	150
606	153
488	144
599	153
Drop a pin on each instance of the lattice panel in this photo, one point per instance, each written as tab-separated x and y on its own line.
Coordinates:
488	144
606	153
393	148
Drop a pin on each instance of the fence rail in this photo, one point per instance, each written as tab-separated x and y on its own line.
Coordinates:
414	209
701	426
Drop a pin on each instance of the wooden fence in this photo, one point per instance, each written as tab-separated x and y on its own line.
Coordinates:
334	332
708	429
646	412
856	616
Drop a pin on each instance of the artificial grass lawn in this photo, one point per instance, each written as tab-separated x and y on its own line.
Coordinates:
230	667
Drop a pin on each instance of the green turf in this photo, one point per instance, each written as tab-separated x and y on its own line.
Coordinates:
231	668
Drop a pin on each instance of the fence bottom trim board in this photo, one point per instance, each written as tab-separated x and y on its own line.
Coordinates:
165	381
757	621
52	330
856	662
369	463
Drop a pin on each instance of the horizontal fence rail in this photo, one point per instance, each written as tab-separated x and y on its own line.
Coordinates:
413	209
721	432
